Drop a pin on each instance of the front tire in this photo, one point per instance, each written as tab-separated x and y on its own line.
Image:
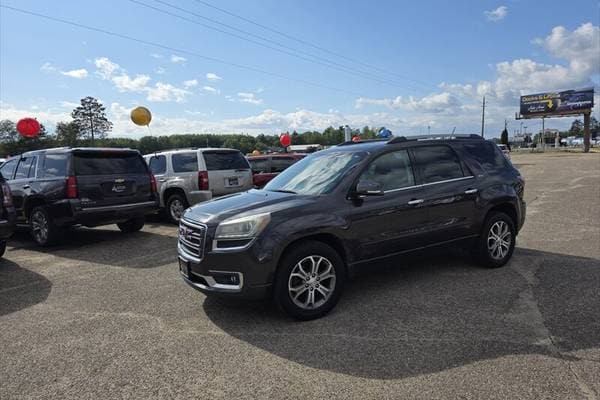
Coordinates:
175	206
2	247
309	281
132	225
42	227
497	241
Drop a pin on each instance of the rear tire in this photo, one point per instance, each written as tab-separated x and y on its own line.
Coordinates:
175	206
309	281
2	247
133	225
496	243
42	227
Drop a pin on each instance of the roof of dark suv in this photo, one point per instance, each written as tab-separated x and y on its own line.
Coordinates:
76	149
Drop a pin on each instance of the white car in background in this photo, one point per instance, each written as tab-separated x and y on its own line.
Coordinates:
505	150
189	176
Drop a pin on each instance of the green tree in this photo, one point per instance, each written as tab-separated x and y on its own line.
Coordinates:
67	133
576	128
504	137
90	116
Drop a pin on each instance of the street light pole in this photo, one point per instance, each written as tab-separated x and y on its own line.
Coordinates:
483	117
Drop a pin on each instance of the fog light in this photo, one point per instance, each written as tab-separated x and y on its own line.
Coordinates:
226	278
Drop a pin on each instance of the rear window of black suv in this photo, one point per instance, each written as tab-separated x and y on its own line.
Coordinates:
106	163
486	154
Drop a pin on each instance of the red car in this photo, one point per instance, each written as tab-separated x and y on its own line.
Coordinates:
268	166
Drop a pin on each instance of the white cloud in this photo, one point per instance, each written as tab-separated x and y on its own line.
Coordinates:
160	70
166	92
435	103
69	104
105	67
47	67
155	55
211	89
246	97
497	14
76	73
177	59
190	83
212	77
160	92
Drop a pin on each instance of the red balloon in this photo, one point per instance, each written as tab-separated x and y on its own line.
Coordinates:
285	139
28	127
356	139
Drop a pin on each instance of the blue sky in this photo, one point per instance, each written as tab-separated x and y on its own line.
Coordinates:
419	63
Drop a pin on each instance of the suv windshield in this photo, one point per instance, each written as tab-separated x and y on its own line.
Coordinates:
218	160
104	163
316	174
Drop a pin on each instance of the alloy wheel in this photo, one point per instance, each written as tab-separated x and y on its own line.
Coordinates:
176	209
39	226
499	240
311	282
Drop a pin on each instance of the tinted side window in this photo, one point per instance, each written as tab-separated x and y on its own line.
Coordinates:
185	162
486	154
392	171
8	168
437	163
278	164
55	165
218	160
259	165
24	167
158	164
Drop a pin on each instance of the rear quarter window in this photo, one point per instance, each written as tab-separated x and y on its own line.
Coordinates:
486	154
54	165
220	160
97	163
185	162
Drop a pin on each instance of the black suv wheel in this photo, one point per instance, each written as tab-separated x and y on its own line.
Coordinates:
42	228
175	206
133	225
309	281
497	241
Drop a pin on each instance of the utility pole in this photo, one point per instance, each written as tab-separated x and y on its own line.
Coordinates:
543	136
428	130
483	117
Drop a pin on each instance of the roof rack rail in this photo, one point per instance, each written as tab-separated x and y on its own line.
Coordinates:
400	139
349	142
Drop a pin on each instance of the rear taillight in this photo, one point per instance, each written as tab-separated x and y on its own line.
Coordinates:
7	200
202	180
153	186
71	187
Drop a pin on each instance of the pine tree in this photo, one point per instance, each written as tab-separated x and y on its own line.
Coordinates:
91	119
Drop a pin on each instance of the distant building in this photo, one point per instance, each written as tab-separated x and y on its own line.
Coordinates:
304	148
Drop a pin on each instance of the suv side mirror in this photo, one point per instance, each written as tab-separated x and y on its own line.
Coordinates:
368	188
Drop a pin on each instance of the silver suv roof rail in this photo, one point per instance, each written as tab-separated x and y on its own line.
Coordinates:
400	139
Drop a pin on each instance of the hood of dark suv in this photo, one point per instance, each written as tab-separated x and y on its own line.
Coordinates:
246	203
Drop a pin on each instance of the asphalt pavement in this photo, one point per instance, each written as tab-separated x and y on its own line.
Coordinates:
105	315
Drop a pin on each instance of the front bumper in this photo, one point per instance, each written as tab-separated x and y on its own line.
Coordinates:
241	273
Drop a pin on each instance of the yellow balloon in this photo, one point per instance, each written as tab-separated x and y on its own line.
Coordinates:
256	153
141	116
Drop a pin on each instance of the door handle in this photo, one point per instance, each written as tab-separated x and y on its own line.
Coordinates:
162	180
470	191
26	186
415	202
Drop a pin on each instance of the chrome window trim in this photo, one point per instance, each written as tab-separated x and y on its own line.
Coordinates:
429	184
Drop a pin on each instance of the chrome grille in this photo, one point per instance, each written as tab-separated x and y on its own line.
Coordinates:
192	237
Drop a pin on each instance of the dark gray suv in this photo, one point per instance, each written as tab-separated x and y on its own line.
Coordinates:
344	207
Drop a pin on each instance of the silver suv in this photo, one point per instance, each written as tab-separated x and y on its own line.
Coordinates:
189	176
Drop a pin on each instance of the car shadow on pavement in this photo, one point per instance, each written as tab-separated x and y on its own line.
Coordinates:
144	249
20	288
433	313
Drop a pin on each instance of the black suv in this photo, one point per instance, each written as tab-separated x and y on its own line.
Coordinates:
56	188
343	207
8	217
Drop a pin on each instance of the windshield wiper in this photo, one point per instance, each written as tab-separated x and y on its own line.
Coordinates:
283	191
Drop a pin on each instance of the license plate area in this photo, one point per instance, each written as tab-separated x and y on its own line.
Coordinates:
232	181
184	268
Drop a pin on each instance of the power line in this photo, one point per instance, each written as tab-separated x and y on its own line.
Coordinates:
176	50
292	51
232	14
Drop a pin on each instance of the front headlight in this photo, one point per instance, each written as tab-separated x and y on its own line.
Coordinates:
242	228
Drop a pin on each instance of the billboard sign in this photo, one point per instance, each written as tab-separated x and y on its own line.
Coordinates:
557	103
